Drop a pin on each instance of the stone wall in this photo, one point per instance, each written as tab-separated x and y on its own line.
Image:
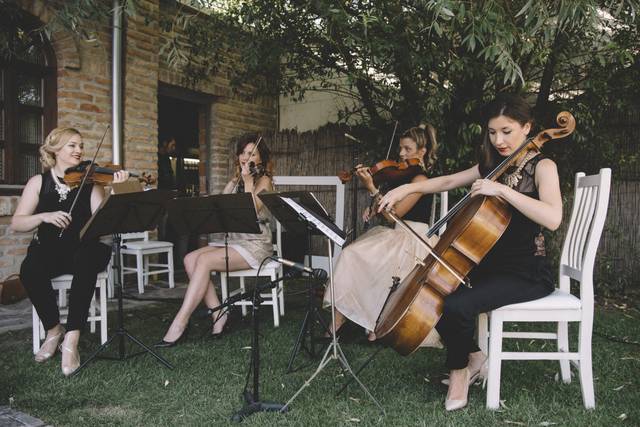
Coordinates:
84	102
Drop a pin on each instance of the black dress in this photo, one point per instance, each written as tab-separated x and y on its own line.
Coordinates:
51	254
515	270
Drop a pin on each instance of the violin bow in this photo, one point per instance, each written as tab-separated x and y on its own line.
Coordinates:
255	147
406	227
393	135
86	173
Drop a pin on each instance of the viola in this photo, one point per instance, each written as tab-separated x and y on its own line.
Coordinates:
100	175
389	171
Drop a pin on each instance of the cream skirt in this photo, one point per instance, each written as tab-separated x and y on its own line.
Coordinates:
364	271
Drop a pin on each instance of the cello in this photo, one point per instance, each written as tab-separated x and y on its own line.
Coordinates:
474	225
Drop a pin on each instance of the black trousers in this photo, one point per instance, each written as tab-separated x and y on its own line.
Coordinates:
462	307
44	262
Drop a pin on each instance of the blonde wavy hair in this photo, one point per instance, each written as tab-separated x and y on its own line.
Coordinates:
425	137
53	143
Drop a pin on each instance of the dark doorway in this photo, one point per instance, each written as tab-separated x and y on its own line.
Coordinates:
183	116
178	120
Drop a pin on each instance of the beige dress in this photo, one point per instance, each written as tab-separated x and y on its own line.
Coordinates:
254	248
364	270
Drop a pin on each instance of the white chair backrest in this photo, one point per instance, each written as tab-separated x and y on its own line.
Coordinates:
128	237
444	208
591	200
277	246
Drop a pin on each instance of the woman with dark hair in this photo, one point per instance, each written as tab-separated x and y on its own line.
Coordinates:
364	270
515	269
253	175
45	207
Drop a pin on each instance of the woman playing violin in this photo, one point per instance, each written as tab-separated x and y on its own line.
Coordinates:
364	270
515	269
253	175
44	206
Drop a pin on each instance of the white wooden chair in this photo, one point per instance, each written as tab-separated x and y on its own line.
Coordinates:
271	269
97	310
139	245
576	263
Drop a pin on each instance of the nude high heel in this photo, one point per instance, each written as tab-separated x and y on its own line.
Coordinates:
70	369
42	356
454	404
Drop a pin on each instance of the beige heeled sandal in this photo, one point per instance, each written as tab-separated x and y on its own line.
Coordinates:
42	355
455	404
70	369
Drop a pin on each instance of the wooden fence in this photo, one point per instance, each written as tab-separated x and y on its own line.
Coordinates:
326	152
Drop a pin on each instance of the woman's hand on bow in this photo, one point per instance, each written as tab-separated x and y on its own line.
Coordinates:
392	197
58	218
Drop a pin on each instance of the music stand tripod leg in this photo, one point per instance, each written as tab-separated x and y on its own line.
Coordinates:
306	332
121	332
333	351
252	398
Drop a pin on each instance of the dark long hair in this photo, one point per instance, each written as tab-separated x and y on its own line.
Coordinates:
505	104
263	149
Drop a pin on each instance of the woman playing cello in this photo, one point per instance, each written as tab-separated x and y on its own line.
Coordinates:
515	269
364	270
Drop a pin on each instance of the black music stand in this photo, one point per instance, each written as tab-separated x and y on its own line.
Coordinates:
333	234
229	213
221	213
296	224
125	213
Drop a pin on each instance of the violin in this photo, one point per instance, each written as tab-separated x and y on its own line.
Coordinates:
100	175
389	171
257	170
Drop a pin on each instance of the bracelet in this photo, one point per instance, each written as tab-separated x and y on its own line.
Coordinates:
374	195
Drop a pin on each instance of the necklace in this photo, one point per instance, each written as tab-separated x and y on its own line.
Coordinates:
61	189
513	179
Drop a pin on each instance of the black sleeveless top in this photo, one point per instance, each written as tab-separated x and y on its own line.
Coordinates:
421	211
49	201
520	250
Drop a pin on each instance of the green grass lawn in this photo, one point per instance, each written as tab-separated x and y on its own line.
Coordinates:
205	386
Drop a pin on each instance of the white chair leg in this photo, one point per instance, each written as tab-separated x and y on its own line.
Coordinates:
140	272
92	314
281	297
224	289
145	275
586	369
495	362
122	270
172	283
35	329
103	311
242	290
274	303
563	346
483	332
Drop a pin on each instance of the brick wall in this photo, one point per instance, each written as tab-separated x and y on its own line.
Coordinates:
84	101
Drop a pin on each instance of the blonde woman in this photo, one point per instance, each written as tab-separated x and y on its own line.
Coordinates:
44	207
364	270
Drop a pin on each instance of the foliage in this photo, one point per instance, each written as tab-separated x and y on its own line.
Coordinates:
437	61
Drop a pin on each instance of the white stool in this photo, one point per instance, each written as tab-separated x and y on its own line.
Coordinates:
62	284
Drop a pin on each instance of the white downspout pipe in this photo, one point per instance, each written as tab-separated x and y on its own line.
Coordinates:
116	84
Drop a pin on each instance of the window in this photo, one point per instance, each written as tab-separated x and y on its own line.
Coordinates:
27	105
